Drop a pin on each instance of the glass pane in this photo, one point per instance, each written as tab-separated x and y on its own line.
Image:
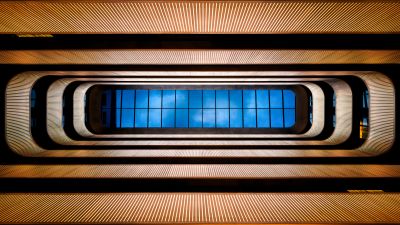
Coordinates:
209	98
118	98
154	117
276	118
195	99
289	99
195	118
276	98
222	118
168	118
235	99
127	118
141	118
249	118
142	99
209	118
249	99
290	118
155	99
182	120
168	99
182	99
222	99
200	108
263	118
236	118
117	118
128	98
262	99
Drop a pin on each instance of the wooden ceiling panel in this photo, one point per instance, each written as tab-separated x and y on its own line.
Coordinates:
200	208
199	17
198	57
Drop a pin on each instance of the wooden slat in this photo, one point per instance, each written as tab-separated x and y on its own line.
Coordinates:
57	134
199	17
380	139
198	57
200	208
318	120
340	134
195	171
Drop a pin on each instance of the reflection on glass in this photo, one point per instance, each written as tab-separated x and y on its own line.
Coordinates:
222	118
263	120
209	118
209	99
277	116
195	118
168	99
195	99
155	98
140	118
290	116
261	108
249	99
154	117
235	99
117	118
289	99
142	100
168	118
235	118
128	98
222	97
127	114
182	99
262	99
182	119
275	98
250	118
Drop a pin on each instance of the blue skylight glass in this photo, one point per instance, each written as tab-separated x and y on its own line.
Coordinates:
222	118
142	100
275	97
182	99
222	97
155	118
250	108
155	98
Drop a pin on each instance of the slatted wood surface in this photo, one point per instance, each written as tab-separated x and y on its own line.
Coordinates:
380	139
199	17
200	208
194	171
198	57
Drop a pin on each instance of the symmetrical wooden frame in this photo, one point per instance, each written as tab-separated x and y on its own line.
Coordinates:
382	110
56	132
